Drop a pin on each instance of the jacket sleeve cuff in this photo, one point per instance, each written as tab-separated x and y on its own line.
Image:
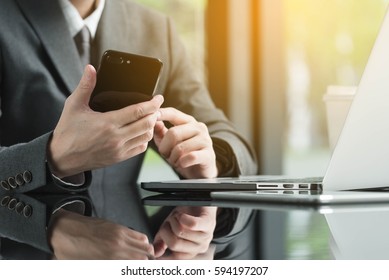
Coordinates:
225	159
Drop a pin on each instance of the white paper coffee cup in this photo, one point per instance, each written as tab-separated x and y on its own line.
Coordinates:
338	100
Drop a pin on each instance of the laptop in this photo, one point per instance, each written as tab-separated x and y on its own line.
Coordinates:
360	159
247	183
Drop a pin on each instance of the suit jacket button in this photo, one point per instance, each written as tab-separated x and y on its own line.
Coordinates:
12	204
27	211
5	185
12	182
27	176
19	207
4	201
19	179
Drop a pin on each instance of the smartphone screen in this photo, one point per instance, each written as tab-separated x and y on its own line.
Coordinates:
124	79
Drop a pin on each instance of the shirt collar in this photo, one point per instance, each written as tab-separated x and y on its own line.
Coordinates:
75	21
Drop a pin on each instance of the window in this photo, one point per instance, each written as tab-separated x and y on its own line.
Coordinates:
327	43
188	16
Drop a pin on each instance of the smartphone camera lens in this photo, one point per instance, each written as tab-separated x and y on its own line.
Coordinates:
115	59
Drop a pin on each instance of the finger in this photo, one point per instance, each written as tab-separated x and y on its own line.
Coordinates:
86	85
176	244
159	132
137	144
179	256
139	242
138	111
141	148
175	117
207	253
129	252
186	233
203	158
193	144
203	222
165	233
133	234
140	127
160	248
176	135
134	138
132	253
191	241
143	248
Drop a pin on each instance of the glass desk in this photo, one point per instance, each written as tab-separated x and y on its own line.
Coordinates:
269	231
304	231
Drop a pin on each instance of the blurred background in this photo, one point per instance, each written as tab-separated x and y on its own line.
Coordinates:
276	59
268	64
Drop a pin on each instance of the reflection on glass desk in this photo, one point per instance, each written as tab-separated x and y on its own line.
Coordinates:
25	219
284	230
265	229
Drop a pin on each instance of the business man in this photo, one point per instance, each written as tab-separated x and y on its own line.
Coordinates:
50	139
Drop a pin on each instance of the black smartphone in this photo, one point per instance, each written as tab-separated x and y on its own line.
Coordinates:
124	79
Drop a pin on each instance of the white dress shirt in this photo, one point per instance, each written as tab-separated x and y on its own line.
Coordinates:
76	22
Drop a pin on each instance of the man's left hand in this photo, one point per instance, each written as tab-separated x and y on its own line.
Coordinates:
187	145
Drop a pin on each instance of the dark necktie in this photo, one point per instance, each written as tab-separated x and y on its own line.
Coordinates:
82	40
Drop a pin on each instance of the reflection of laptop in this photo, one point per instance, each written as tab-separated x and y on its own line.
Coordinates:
361	156
278	200
335	199
360	235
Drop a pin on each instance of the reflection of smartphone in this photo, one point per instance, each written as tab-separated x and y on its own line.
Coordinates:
124	79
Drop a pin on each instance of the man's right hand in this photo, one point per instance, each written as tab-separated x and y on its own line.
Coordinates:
76	237
84	139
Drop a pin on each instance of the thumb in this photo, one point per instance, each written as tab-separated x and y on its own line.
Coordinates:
86	85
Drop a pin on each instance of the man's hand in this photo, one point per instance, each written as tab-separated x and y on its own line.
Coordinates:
186	232
187	146
84	139
73	236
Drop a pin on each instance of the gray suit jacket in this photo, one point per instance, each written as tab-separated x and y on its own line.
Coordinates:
40	67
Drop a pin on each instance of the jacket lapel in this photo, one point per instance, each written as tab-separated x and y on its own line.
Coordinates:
110	33
50	25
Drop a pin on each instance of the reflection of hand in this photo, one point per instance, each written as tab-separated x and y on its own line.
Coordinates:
187	145
208	255
78	237
84	139
186	232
